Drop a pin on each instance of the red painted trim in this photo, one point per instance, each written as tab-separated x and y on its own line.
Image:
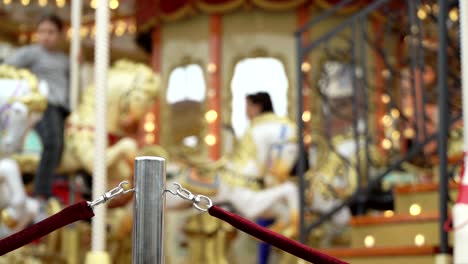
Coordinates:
214	82
155	62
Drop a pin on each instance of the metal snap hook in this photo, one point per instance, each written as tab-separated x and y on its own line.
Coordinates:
199	199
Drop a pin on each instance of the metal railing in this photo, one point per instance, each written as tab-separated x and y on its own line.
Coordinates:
356	45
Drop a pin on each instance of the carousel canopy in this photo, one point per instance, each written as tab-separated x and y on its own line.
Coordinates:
19	19
151	12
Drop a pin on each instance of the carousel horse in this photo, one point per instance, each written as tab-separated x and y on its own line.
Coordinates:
255	173
333	177
22	101
131	91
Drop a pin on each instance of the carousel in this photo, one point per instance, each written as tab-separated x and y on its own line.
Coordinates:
359	157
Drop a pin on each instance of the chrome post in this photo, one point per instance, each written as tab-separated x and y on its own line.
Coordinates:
148	224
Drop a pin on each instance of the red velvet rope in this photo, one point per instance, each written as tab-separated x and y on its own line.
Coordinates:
73	213
297	249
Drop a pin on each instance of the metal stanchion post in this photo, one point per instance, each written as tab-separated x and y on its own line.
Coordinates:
148	224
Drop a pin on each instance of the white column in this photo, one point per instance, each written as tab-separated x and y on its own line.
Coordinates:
101	62
75	53
460	210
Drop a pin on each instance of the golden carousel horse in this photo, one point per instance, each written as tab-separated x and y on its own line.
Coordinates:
131	91
333	178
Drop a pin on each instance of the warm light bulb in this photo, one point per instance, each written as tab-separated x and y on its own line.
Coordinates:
113	4
415	209
94	4
60	3
389	213
386	144
409	133
385	98
42	3
210	140
25	2
395	113
211	116
369	241
387	120
6	2
149	126
120	28
422	14
396	135
453	15
419	240
306	116
305	67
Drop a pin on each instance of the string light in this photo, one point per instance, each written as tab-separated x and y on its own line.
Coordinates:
306	116
422	14
93	4
395	113
210	140
42	3
113	4
386	144
409	133
211	67
60	3
369	241
120	28
211	116
6	2
25	2
415	209
419	240
305	67
385	98
389	213
453	15
149	127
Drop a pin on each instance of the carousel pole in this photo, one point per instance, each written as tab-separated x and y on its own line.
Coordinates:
98	252
75	52
460	209
70	234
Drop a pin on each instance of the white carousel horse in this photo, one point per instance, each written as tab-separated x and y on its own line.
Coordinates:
254	178
22	101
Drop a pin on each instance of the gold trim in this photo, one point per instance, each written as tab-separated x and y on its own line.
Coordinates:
219	8
278	6
178	14
324	4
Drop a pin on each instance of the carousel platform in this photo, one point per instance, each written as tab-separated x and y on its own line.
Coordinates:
407	235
